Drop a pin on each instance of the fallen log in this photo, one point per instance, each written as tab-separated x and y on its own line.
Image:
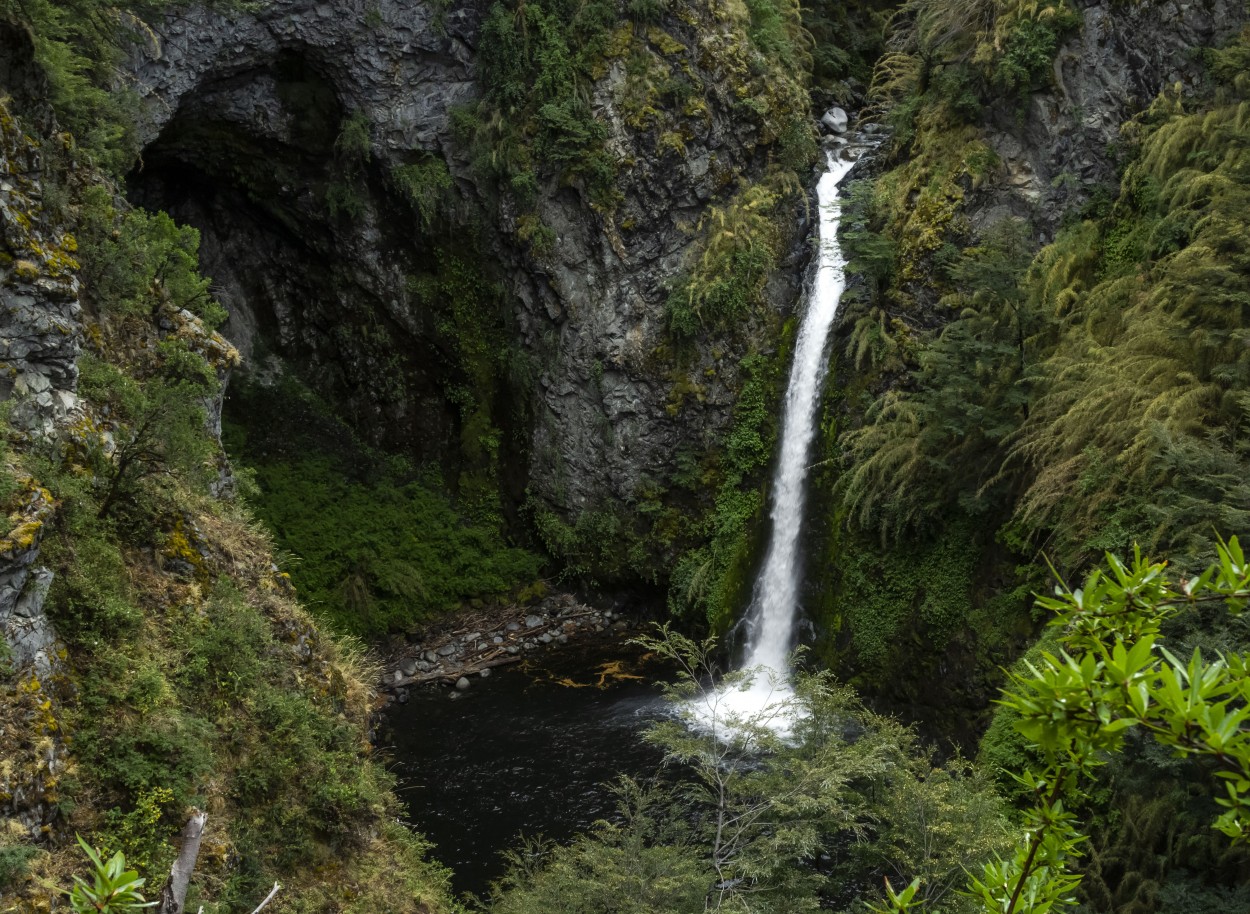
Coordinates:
450	675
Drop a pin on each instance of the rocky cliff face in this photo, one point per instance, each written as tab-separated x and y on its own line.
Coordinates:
245	116
1062	144
40	340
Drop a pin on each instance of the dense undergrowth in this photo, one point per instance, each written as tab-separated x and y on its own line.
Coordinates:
1108	367
1080	398
374	546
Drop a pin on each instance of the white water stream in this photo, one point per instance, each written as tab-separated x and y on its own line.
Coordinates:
773	615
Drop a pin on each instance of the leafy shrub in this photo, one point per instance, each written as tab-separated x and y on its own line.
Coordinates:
646	11
739	248
776	30
113	889
79	44
14	863
163	428
711	582
1078	708
344	199
534	63
354	144
426	184
135	261
1026	60
142	833
936	443
847	39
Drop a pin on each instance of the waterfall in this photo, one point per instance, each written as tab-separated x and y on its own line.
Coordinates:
774	606
773	614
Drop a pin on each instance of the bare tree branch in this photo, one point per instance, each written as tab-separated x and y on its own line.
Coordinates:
268	898
174	895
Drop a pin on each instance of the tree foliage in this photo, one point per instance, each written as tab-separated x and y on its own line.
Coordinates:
1111	366
1114	674
926	447
80	44
744	807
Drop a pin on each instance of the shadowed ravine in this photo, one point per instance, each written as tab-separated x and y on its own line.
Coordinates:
531	751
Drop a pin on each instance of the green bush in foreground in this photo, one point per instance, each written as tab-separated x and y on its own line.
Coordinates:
1112	675
113	888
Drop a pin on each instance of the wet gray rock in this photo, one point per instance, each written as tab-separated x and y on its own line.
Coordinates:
835	120
40	311
463	684
533	621
28	638
27	632
1111	68
447	649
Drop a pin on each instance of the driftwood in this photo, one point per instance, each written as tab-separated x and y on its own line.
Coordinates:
174	895
453	675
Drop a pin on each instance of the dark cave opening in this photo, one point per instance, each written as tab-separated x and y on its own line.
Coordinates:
372	337
321	260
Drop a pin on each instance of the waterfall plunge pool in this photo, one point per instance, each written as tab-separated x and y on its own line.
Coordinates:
530	751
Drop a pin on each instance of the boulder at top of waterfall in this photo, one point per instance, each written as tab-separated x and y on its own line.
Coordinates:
835	120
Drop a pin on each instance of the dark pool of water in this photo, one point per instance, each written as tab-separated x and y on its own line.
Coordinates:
526	751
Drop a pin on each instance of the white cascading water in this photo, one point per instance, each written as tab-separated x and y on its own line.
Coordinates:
772	617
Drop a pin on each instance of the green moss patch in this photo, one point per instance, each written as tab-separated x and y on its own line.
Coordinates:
373	544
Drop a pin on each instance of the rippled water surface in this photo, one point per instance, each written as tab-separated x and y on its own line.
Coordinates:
526	751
